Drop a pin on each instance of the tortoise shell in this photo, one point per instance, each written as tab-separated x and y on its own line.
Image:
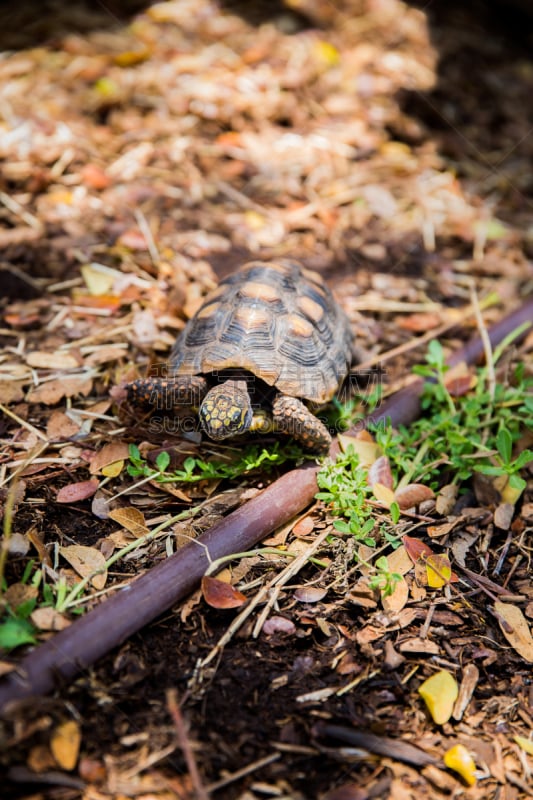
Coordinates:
278	321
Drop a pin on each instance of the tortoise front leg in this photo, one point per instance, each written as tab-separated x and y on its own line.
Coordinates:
167	393
292	417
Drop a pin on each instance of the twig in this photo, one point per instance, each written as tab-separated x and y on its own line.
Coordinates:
200	792
242	773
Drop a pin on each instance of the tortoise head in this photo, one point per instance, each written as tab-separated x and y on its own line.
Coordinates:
226	410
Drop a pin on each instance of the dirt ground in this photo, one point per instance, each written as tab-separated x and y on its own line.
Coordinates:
147	152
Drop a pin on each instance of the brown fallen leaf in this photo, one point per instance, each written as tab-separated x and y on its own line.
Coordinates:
304	527
48	619
65	744
515	628
415	548
86	560
413	494
394	602
110	453
57	359
51	392
310	594
61	427
130	518
11	391
418	645
219	594
380	472
419	322
74	492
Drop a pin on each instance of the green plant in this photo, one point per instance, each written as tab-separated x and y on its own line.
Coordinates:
196	469
475	432
384	579
345	489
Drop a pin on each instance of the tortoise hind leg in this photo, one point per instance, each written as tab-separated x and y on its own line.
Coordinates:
167	393
292	417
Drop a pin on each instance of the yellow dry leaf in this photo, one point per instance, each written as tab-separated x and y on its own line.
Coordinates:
86	560
130	518
459	759
254	220
113	470
439	694
383	494
326	54
65	744
525	744
99	279
438	571
516	630
366	450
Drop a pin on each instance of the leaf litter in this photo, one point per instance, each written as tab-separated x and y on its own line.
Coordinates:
164	152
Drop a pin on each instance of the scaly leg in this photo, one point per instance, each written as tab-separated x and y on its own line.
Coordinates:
292	417
166	393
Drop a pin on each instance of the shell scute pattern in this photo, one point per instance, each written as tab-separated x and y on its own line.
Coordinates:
278	321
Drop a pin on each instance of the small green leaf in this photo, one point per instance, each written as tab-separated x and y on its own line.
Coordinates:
395	512
504	443
16	632
162	461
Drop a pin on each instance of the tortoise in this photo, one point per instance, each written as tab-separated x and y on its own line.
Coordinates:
269	337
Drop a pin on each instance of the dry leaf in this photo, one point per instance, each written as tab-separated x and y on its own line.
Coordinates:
460	760
310	594
51	392
383	494
503	516
446	499
74	492
439	694
399	561
58	359
304	527
86	560
61	427
114	451
380	473
219	594
394	602
417	645
65	744
419	322
48	619
130	518
11	391
367	451
277	624
413	494
525	744
416	549
515	629
19	593
113	470
438	571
